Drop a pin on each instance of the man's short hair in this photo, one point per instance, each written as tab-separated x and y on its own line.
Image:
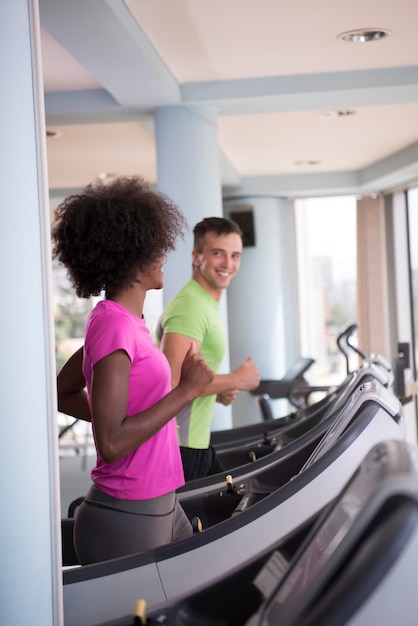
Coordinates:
218	225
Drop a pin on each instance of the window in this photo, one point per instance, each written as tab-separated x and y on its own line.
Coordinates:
327	268
70	315
412	199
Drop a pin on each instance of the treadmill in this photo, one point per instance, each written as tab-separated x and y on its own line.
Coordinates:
95	593
354	567
272	447
295	435
226	440
245	444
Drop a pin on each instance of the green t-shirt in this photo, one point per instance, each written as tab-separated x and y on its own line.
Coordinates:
195	313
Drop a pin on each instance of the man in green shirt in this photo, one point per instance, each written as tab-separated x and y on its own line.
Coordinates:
193	315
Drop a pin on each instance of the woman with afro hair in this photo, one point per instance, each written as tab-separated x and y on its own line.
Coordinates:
113	238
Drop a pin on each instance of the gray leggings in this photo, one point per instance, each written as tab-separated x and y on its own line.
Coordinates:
108	528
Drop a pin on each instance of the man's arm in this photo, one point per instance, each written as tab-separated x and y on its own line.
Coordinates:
72	397
245	376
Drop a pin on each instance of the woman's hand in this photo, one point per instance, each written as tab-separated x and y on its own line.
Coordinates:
195	374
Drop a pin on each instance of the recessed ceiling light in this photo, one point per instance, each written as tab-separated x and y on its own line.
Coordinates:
363	35
53	133
338	113
105	175
308	162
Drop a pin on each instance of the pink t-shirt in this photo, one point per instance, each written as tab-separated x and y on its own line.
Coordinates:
155	468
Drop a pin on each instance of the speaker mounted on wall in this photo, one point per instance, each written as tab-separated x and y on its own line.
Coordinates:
244	217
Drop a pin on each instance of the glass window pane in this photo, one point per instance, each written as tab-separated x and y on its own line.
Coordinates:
327	271
413	246
70	315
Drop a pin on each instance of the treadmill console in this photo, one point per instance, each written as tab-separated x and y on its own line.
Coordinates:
389	468
371	391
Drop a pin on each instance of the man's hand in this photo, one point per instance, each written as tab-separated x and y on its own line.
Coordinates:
227	397
248	376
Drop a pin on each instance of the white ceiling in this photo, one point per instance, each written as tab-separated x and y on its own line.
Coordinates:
272	69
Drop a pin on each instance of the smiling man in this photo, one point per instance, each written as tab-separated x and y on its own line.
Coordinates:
193	314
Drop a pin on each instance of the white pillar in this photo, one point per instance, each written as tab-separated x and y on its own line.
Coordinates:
189	173
261	302
30	570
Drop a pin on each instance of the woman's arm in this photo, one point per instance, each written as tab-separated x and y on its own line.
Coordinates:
72	397
117	434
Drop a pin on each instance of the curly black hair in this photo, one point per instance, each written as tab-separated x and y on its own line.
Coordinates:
109	231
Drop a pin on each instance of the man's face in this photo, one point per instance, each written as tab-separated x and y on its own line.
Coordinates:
217	262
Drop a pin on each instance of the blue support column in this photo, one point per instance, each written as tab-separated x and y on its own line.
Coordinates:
30	570
189	173
261	298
